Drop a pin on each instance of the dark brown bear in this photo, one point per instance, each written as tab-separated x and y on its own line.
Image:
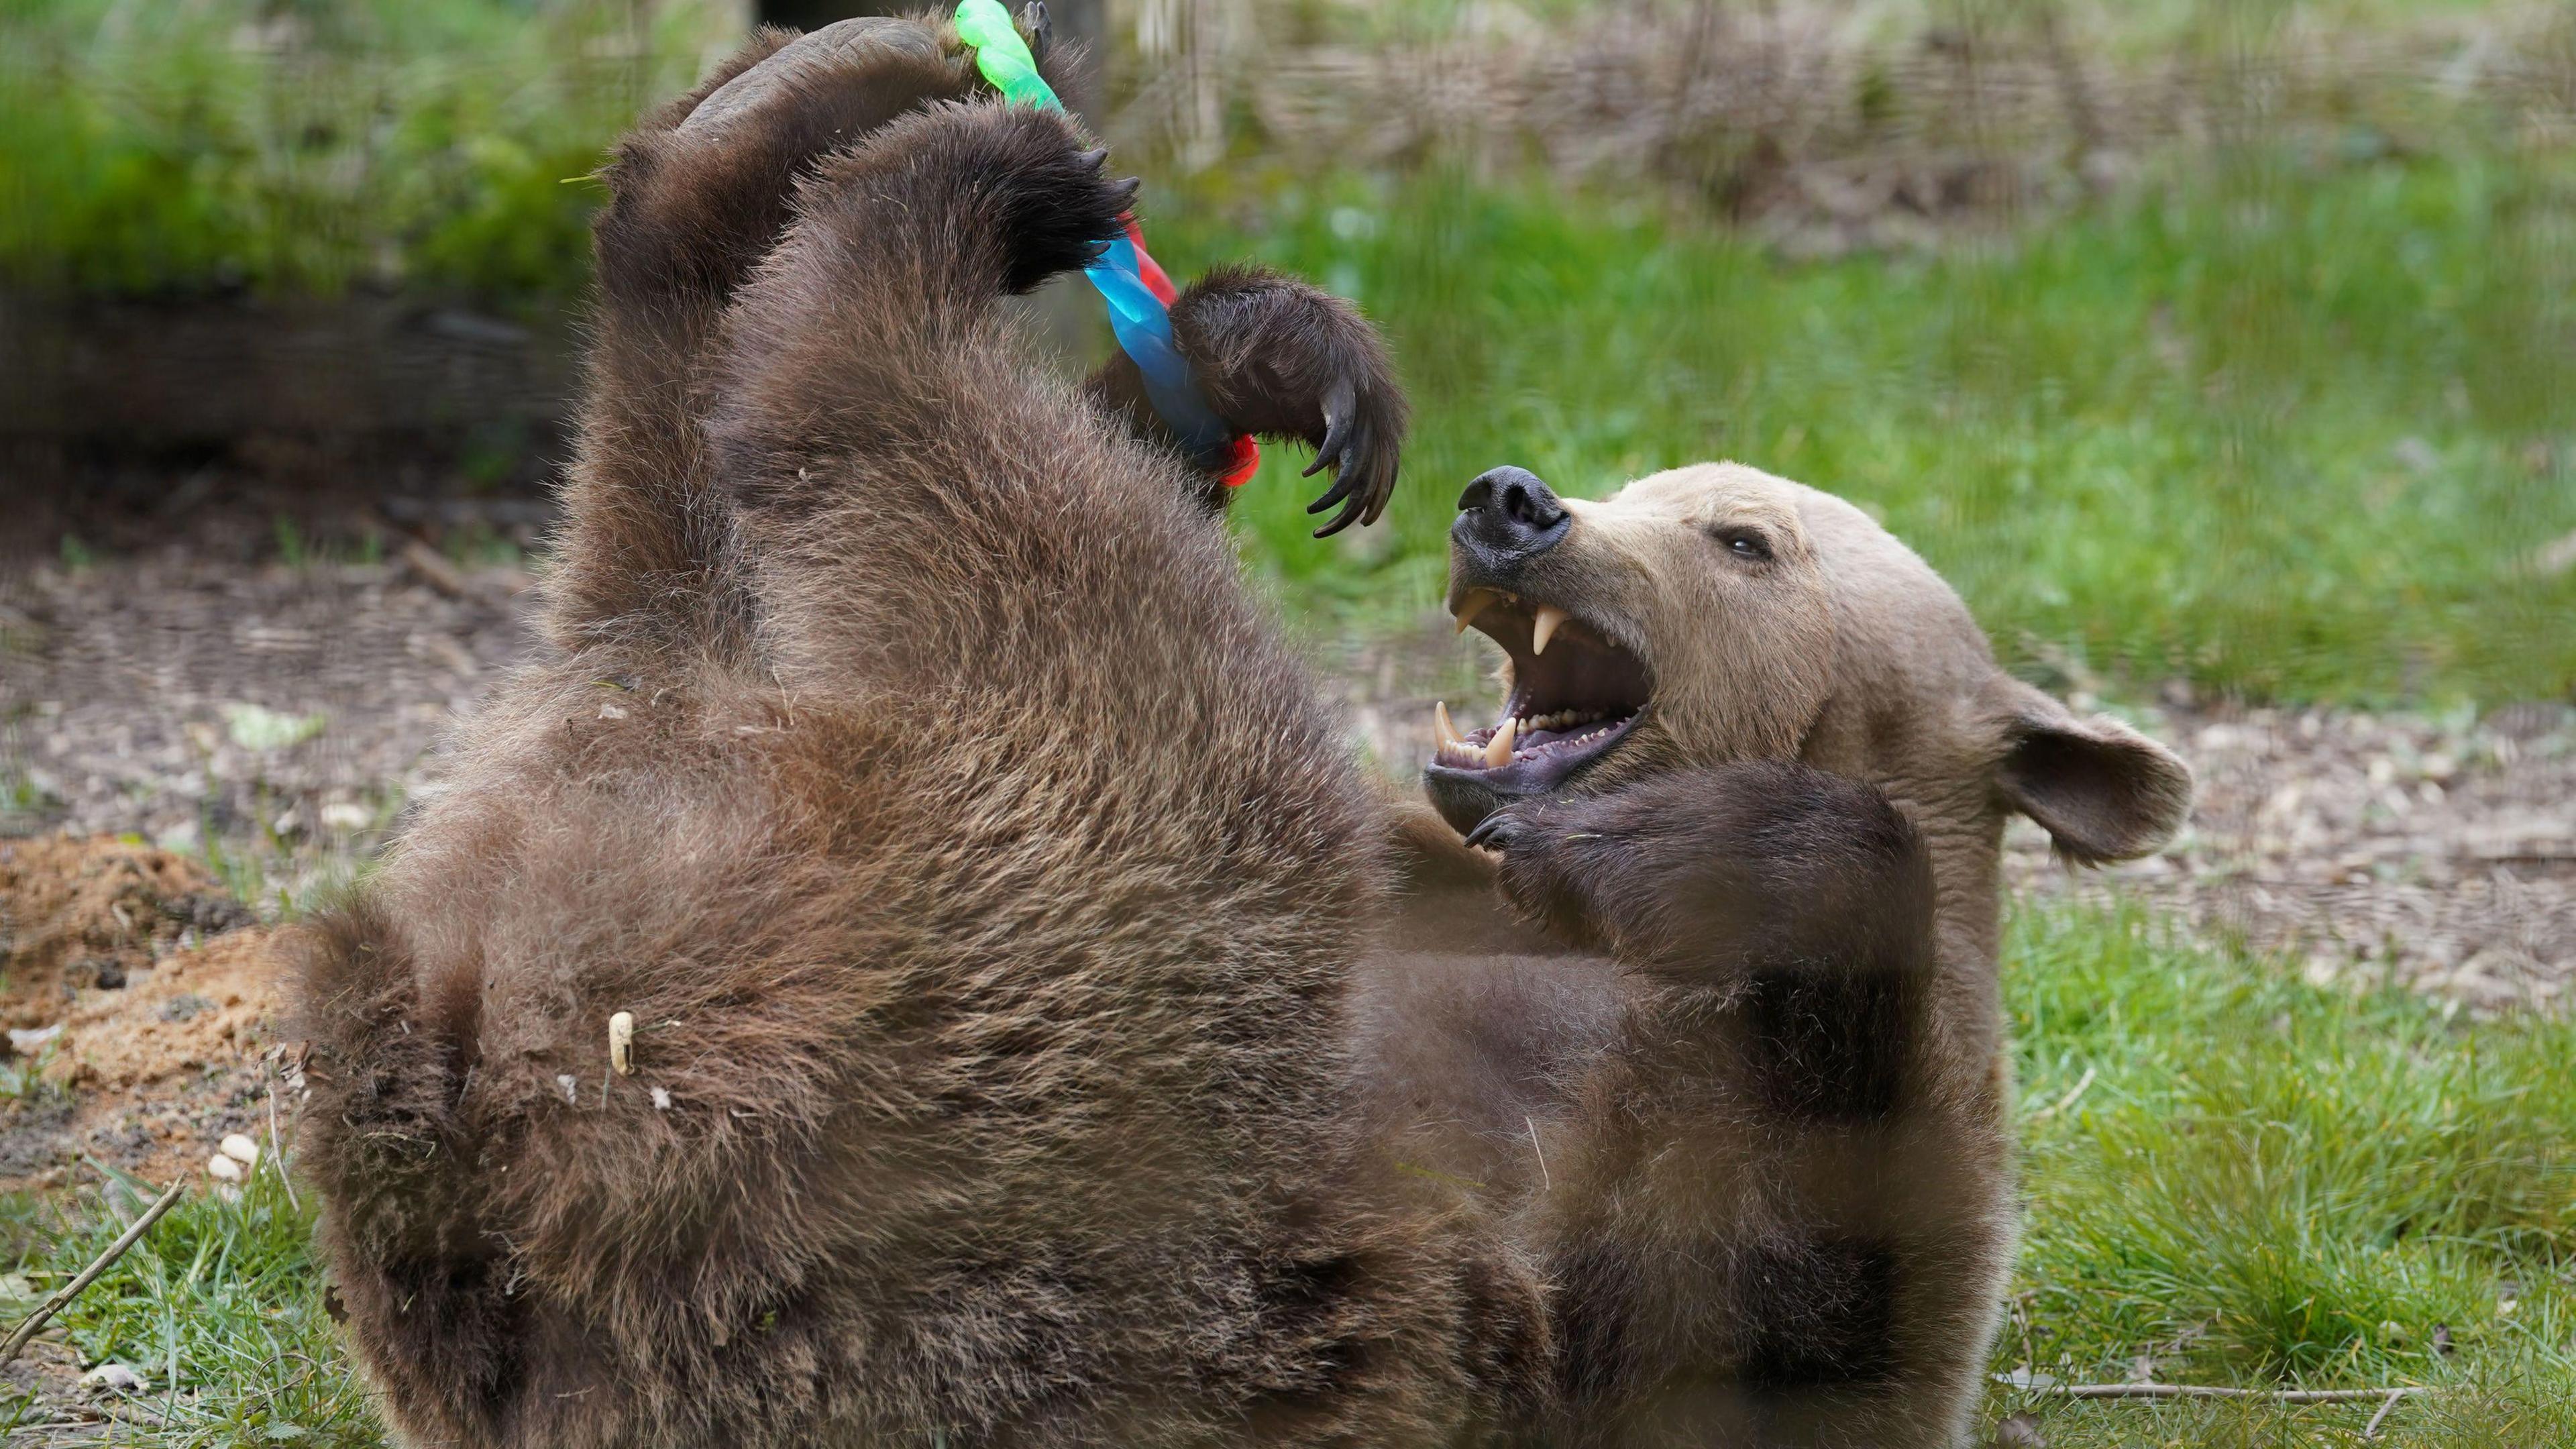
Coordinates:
878	980
882	979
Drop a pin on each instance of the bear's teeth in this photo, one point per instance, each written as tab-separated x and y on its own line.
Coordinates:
1440	718
1499	753
1470	607
1544	628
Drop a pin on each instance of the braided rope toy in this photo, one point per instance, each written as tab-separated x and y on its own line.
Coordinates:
1138	291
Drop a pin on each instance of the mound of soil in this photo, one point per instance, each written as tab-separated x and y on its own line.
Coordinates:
90	914
138	998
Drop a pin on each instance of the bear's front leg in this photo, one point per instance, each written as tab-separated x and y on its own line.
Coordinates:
1282	360
1765	1222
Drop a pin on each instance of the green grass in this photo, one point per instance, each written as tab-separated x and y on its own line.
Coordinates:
2286	432
218	1311
2262	1183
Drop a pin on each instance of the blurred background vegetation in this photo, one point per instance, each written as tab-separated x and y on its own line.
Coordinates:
2221	341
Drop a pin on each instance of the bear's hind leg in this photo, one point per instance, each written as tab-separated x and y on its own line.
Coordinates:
698	194
703	188
872	335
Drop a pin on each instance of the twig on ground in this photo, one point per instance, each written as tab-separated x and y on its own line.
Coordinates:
2371	1429
435	570
2082	1084
2211	1391
277	1149
69	1291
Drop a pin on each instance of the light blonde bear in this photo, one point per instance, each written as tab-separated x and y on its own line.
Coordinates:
1743	1087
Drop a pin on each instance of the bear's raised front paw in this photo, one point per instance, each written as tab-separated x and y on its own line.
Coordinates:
1283	359
1363	439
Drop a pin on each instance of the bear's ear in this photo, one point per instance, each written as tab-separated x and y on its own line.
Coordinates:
2102	790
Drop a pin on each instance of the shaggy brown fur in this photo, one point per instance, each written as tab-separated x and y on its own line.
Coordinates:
701	191
983	879
1747	1093
979	870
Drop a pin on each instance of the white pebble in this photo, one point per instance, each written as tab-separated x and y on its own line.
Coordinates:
112	1378
241	1149
224	1168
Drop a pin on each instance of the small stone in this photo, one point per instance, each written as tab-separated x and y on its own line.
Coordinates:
185	1006
28	1043
112	1378
2021	1431
344	817
240	1148
224	1168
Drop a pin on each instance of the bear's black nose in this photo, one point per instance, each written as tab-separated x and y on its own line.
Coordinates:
1508	515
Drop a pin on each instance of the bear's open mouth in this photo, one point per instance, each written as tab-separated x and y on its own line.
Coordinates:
1576	693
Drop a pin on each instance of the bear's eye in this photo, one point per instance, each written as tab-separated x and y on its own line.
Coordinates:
1744	543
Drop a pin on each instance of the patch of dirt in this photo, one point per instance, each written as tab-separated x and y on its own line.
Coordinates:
2436	853
94	914
146	1074
127	677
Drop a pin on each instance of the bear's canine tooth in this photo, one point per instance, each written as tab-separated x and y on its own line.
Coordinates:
1499	753
1440	717
1544	627
1470	606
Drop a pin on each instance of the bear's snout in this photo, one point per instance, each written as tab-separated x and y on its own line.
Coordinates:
1507	517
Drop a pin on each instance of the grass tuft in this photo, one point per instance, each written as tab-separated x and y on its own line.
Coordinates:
2268	1182
218	1311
